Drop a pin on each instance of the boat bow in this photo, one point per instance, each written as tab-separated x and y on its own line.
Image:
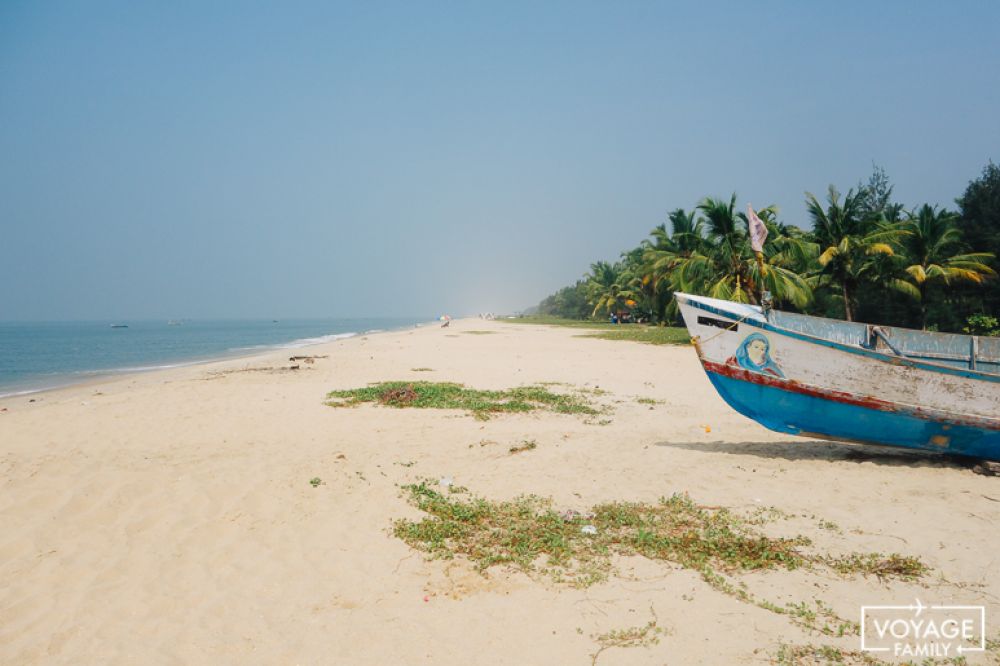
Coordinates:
843	380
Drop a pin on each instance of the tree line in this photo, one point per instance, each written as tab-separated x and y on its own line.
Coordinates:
864	257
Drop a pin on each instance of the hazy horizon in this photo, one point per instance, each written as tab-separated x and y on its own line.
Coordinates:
317	160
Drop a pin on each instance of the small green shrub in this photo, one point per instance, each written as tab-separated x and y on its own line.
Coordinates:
982	324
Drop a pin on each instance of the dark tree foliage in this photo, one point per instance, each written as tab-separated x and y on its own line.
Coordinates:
570	302
875	196
979	223
870	252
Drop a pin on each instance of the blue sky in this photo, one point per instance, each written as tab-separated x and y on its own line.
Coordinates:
245	159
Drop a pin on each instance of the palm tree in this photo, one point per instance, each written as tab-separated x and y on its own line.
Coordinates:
723	264
606	289
642	296
688	231
933	254
663	251
848	241
615	299
601	276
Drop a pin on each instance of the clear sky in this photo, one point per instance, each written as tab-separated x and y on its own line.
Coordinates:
252	159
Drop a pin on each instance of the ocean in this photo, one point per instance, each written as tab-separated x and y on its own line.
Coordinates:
39	356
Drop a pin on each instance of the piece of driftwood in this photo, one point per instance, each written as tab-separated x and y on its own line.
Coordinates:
307	359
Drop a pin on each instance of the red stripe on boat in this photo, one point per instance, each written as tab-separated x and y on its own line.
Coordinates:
869	402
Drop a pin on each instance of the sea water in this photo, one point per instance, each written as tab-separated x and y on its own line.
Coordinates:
38	356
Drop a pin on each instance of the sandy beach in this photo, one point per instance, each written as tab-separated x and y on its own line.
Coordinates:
169	518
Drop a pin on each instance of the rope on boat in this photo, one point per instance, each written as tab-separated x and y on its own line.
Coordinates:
727	329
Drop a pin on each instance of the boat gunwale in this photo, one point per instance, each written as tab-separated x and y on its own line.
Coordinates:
689	299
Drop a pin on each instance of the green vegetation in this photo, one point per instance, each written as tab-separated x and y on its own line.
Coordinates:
421	369
479	332
823	655
315	482
828	655
853	243
863	257
878	565
979	222
654	335
444	395
526	445
982	324
645	636
527	534
720	263
816	617
822	620
549	320
578	548
932	243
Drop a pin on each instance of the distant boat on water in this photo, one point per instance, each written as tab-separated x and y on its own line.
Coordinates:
850	381
119	325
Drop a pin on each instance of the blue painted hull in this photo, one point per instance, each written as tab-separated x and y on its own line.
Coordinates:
797	413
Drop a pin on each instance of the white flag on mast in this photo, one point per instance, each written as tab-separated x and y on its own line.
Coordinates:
758	230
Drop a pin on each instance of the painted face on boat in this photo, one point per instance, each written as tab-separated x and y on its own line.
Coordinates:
754	353
757	351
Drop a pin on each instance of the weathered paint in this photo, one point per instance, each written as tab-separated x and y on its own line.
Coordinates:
868	402
845	386
847	337
800	413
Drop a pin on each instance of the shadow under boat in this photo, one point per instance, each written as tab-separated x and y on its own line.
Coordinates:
794	450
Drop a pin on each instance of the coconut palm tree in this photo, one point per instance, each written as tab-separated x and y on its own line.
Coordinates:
933	256
642	301
849	241
607	288
688	231
601	276
723	265
665	248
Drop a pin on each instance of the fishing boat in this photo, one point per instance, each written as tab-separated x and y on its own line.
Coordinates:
849	381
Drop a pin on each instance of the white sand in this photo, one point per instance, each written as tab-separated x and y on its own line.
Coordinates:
168	517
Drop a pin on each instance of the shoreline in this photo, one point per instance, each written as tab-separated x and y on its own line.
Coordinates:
94	377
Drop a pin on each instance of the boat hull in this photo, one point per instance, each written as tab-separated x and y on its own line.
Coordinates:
797	384
784	407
